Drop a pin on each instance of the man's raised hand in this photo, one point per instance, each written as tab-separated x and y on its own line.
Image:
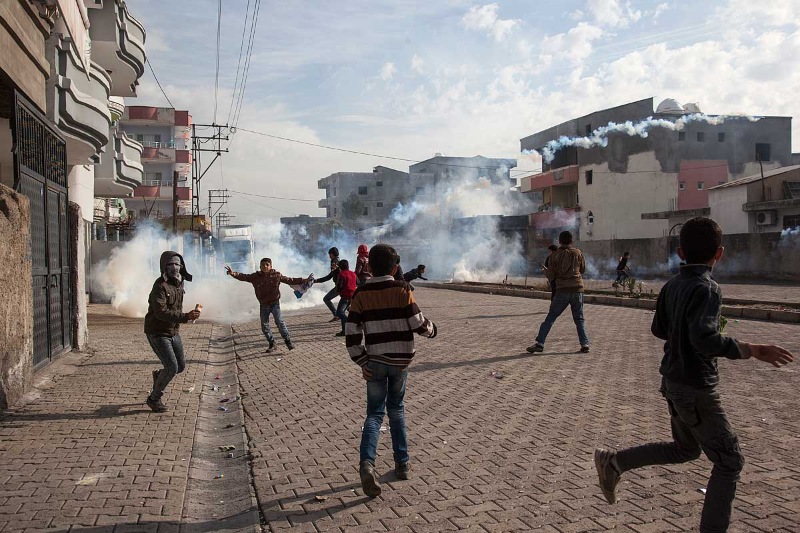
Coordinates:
228	270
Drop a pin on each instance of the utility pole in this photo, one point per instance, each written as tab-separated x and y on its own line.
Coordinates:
216	197
200	144
175	202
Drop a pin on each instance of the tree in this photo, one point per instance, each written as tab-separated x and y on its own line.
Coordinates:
352	208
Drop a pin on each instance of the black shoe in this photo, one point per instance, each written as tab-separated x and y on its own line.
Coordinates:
368	480
536	348
607	472
157	406
401	470
585	349
155	378
289	345
271	347
340	334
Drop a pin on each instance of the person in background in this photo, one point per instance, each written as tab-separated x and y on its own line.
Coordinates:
267	286
623	270
687	318
415	273
362	269
380	339
347	287
333	254
162	324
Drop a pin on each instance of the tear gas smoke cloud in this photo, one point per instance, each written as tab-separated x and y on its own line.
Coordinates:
599	137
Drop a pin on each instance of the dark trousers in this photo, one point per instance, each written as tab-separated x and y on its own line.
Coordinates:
333	293
170	352
698	423
341	310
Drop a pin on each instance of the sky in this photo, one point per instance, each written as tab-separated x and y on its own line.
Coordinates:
410	78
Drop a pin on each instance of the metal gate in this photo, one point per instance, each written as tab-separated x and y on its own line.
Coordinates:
40	173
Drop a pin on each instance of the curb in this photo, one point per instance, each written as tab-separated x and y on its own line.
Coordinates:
749	313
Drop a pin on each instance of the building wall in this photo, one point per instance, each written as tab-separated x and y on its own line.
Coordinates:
22	40
617	200
709	173
726	208
81	188
394	188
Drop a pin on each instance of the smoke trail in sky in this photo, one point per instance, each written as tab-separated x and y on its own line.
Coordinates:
599	137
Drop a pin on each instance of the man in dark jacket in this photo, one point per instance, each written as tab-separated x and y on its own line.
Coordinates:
267	286
565	268
415	273
333	254
162	322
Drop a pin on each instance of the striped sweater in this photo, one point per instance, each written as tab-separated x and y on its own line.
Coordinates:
382	321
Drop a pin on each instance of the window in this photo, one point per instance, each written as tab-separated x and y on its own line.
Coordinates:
366	211
380	204
721	137
362	191
335	211
588	175
763	151
379	184
701	136
588	129
334	191
590	218
419	190
682	186
791	221
700	185
681	135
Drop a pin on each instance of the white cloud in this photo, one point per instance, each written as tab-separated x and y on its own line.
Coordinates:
484	18
417	63
387	71
575	45
613	13
660	8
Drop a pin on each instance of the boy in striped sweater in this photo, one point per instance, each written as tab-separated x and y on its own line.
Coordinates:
384	315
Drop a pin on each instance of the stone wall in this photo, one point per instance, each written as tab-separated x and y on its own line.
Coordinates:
16	304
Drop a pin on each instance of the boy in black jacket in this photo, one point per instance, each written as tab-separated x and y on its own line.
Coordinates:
687	318
162	322
333	254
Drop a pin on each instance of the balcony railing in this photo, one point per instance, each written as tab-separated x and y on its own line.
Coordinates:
158	144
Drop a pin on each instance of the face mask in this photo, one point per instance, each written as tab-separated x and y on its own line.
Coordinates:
173	269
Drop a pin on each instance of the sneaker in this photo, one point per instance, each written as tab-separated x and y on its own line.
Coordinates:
271	347
401	470
334	319
157	406
585	349
289	345
369	483
536	348
340	334
607	472
155	378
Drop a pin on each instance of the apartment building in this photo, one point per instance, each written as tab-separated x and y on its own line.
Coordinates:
364	199
165	136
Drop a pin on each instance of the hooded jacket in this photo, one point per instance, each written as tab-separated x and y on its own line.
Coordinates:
165	304
362	264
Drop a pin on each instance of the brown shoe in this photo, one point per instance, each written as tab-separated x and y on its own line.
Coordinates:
607	472
369	483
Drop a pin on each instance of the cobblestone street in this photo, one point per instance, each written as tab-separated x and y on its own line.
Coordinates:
503	452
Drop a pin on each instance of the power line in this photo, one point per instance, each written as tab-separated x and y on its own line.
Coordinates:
159	83
216	75
273	197
267	206
248	58
238	62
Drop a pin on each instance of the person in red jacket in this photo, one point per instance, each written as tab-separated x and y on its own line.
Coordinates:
363	272
346	285
267	285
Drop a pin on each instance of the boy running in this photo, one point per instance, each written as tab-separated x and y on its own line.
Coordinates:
384	315
346	286
267	286
687	318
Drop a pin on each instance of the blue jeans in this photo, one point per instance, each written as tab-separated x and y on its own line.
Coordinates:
558	305
333	293
170	352
341	309
385	392
275	311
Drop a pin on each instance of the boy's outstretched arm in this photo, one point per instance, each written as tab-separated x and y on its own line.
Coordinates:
769	353
238	275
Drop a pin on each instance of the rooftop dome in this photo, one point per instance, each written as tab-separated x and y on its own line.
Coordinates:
692	107
670	106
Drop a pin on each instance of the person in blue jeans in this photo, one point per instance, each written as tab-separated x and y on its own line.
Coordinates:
379	335
162	324
565	269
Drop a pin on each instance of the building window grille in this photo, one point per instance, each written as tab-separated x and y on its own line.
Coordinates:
362	191
763	152
701	136
590	218
681	135
588	174
682	186
791	221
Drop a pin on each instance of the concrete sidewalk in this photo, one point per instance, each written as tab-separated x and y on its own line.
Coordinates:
85	454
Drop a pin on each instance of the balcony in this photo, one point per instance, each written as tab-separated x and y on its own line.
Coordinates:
558	218
80	103
162	191
118	45
120	172
552	178
148	115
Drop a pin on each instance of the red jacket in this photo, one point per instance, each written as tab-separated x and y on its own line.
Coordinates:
346	283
